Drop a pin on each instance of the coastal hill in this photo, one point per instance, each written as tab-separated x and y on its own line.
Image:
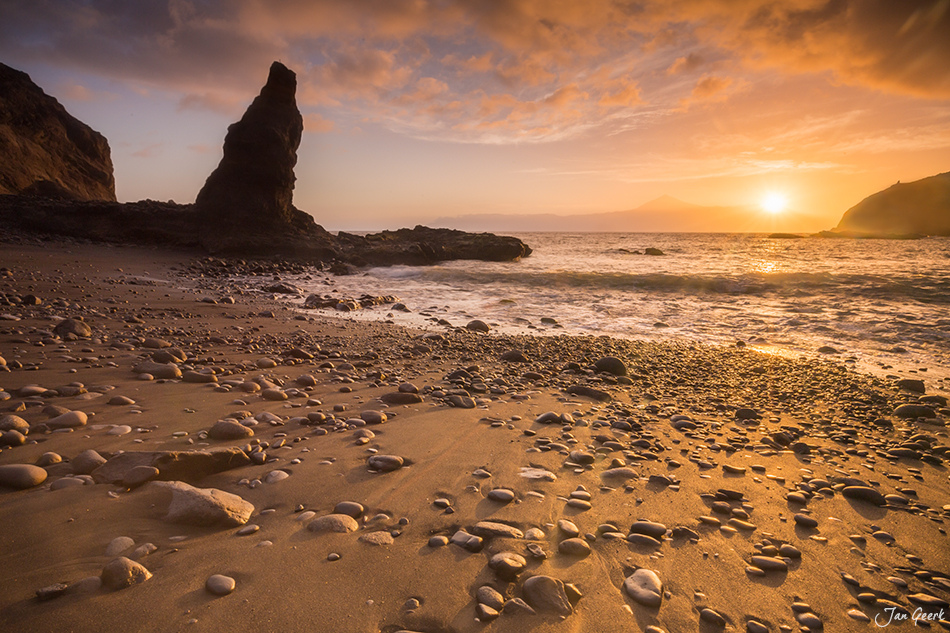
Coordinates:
245	208
46	150
921	207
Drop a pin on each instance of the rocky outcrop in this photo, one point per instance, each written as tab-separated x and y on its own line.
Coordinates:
47	152
921	207
423	245
247	202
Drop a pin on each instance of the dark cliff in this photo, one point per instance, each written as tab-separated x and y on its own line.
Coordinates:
46	151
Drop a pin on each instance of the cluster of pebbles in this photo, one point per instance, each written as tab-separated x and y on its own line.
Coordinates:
675	485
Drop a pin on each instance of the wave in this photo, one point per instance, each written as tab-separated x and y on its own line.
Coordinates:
919	288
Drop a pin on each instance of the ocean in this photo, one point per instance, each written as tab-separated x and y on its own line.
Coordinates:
881	304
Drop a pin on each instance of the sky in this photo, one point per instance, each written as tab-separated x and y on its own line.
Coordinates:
419	109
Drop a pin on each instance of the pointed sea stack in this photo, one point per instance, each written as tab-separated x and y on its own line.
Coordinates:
248	200
46	151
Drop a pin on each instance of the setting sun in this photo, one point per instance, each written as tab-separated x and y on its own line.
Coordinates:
774	202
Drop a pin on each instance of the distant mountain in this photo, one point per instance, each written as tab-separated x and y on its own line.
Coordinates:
664	214
921	207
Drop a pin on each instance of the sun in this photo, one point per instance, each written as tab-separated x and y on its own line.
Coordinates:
774	202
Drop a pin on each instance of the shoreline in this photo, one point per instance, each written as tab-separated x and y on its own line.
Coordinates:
685	430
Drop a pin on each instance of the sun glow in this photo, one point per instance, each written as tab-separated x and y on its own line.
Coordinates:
774	202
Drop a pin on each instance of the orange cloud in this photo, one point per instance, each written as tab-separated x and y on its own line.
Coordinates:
215	102
686	64
313	122
405	61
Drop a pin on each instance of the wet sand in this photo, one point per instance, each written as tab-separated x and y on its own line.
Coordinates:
684	460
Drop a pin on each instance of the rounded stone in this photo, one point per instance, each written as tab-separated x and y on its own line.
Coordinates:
385	463
229	430
349	508
118	545
645	587
574	547
650	528
86	462
220	585
547	594
274	394
12	438
501	495
507	564
48	459
68	420
67	482
864	493
490	596
333	523
14	423
381	537
122	572
139	475
712	617
373	417
21	476
611	365
275	475
478	326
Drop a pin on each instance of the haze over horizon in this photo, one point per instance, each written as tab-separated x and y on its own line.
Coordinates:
417	110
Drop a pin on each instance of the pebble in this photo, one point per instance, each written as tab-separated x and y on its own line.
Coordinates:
204	506
67	482
490	529
656	530
21	476
220	585
644	586
334	523
507	564
229	430
864	493
139	475
547	595
143	550
381	537
118	545
350	508
68	420
122	572
501	495
712	617
373	417
806	521
574	547
467	541
489	596
385	463
275	475
769	563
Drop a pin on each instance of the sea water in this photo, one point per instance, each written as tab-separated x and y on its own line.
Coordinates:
880	303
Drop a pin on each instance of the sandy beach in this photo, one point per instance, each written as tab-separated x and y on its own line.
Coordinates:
591	484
